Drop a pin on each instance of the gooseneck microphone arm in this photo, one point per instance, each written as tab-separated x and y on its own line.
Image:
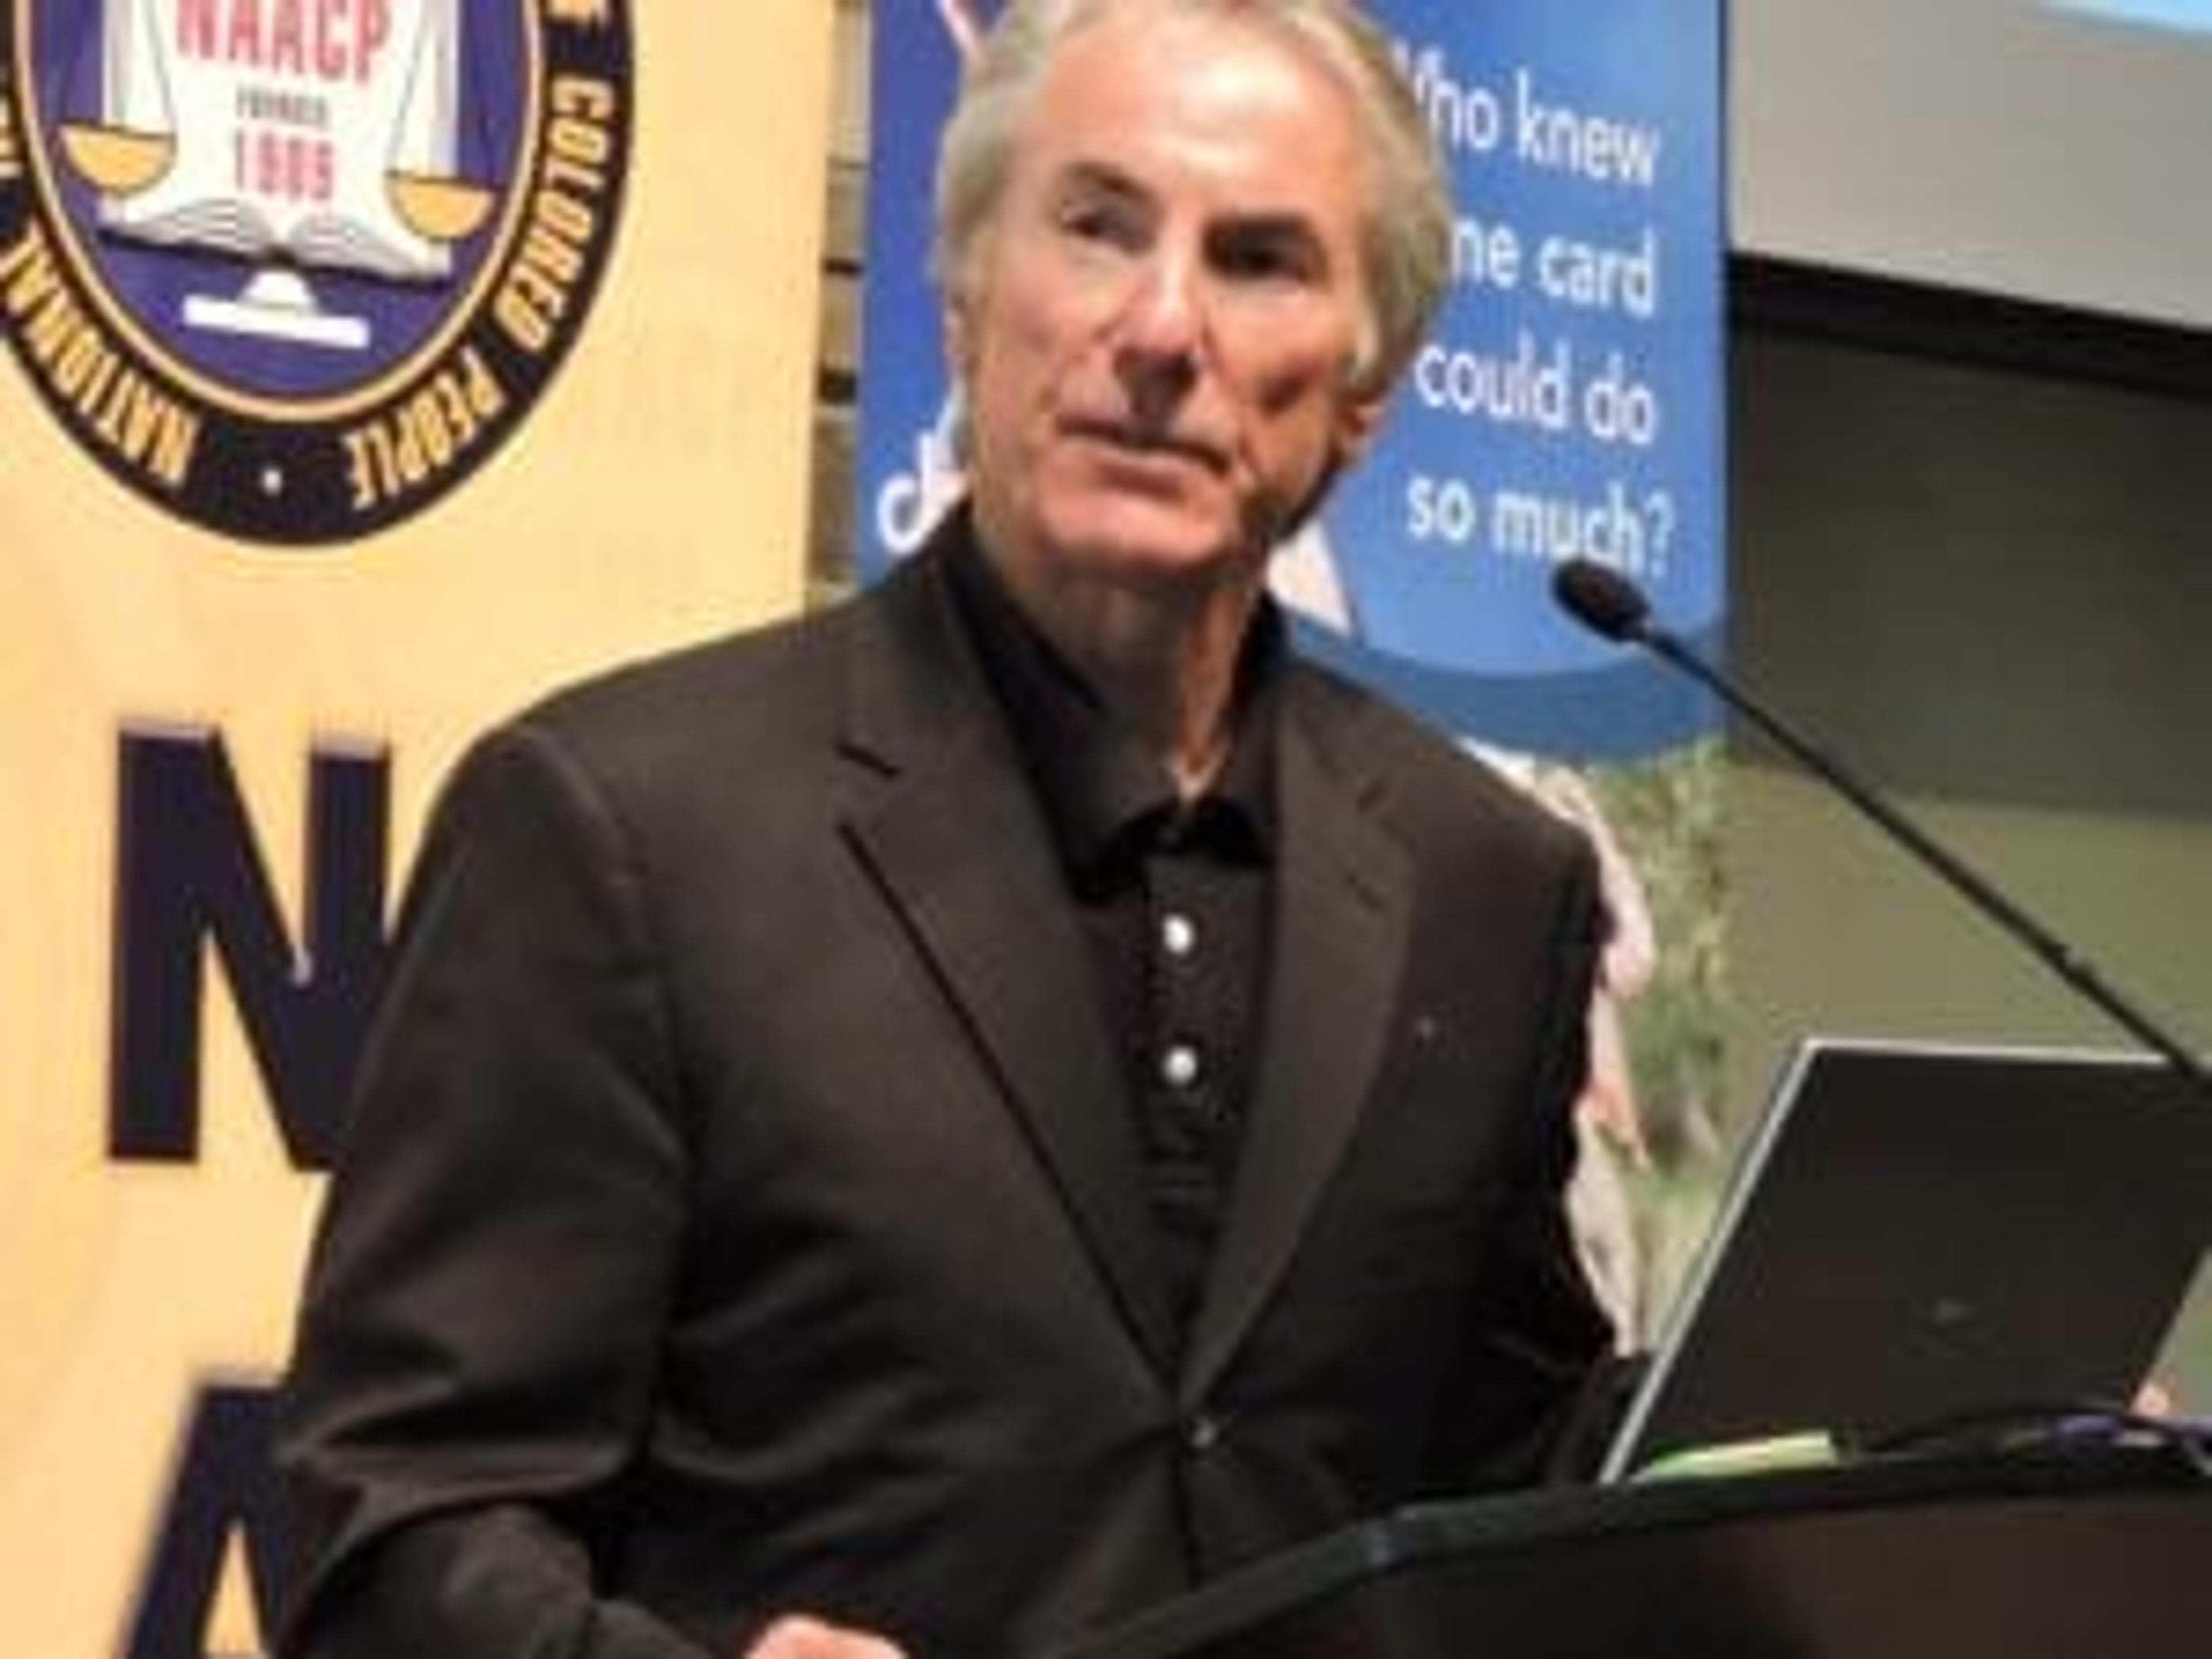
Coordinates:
1608	604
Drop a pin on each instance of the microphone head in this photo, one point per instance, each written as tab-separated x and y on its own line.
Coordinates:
1601	600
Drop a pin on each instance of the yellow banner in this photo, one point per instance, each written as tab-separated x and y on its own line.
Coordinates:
255	594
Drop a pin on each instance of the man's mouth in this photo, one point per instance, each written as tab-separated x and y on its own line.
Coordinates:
1141	443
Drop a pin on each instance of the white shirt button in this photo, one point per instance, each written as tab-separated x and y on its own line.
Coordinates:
1179	1064
1178	934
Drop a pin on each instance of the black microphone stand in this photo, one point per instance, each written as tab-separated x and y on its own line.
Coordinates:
1609	605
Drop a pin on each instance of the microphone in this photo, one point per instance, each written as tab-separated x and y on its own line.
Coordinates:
1612	607
1602	600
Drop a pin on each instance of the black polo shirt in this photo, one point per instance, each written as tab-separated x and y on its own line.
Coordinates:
1173	895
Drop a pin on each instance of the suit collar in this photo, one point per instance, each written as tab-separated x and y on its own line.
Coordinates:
1343	910
950	830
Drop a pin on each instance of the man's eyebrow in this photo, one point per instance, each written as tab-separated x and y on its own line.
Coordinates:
1084	176
1104	179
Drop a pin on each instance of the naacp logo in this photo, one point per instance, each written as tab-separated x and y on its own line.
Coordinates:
293	269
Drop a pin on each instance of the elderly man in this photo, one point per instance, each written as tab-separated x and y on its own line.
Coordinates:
937	1125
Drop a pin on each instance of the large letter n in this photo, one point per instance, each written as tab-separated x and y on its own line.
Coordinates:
189	872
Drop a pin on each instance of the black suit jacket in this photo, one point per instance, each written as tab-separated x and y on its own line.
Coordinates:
741	1209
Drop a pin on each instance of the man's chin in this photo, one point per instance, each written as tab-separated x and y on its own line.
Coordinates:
1147	548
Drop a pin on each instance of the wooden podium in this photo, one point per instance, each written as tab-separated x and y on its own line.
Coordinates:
2102	1553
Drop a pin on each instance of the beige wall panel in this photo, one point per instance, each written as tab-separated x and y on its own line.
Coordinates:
656	492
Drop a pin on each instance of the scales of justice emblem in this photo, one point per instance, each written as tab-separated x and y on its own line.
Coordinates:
291	136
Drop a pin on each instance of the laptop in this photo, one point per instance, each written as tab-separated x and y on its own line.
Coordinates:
1919	1236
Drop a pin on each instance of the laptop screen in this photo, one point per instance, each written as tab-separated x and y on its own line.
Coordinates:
1918	1233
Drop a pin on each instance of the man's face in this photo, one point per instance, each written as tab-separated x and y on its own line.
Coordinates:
1157	333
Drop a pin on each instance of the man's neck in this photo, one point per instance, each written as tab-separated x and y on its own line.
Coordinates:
1164	659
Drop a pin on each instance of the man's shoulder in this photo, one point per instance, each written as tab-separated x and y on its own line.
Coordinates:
786	676
687	729
694	687
1386	748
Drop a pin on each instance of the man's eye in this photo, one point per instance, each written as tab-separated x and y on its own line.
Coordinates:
1098	223
1265	259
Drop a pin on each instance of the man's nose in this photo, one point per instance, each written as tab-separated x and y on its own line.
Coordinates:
1163	327
1165	303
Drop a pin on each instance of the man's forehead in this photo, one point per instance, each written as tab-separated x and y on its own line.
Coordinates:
1247	207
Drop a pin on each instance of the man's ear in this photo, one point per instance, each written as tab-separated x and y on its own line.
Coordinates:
961	309
957	340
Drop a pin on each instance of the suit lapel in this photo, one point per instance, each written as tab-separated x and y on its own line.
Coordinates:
959	849
1343	905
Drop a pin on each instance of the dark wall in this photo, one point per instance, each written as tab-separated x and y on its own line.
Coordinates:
1973	540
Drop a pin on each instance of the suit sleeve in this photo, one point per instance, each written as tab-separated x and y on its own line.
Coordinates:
1538	1374
475	1355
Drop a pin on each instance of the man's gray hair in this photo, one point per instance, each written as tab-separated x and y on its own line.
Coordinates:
1408	230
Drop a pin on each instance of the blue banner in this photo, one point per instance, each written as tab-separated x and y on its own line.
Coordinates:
1568	404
